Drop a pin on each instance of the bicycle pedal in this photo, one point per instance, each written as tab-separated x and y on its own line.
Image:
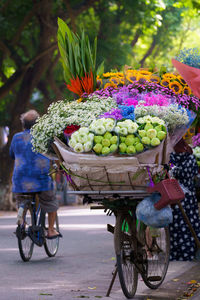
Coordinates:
154	278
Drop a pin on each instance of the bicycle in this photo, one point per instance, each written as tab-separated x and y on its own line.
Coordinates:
33	230
138	248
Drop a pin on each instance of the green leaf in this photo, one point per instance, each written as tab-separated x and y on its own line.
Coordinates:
64	29
100	69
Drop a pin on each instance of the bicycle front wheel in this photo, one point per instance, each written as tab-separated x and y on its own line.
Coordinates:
157	246
51	245
25	244
125	248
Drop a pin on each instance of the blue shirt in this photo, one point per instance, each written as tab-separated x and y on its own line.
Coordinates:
31	169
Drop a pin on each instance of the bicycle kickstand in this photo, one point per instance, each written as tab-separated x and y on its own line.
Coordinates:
112	282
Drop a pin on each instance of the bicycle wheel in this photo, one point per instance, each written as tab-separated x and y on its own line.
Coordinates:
157	246
25	244
51	245
124	242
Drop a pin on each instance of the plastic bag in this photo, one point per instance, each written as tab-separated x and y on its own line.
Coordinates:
150	216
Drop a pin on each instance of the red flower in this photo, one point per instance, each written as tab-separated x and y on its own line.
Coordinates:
70	129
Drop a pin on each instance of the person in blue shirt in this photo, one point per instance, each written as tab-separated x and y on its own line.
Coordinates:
31	171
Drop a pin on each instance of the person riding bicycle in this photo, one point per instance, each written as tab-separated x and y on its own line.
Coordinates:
31	172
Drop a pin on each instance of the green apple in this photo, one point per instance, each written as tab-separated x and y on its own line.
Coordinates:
151	133
146	140
129	141
155	141
113	147
161	135
139	147
105	150
98	139
137	140
97	148
158	128
148	126
122	147
105	142
130	136
142	133
122	139
130	150
113	139
107	135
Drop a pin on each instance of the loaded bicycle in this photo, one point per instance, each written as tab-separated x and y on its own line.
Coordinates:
139	249
32	230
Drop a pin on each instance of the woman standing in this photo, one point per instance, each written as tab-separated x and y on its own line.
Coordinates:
182	243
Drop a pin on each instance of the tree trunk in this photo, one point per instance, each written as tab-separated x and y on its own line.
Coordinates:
29	82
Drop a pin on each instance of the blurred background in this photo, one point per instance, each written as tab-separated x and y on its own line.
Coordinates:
137	33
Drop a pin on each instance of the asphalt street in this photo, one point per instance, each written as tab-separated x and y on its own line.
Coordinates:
83	265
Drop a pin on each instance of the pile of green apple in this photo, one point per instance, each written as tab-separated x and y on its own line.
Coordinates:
130	144
151	134
105	144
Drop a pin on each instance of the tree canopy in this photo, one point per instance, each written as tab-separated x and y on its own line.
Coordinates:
137	33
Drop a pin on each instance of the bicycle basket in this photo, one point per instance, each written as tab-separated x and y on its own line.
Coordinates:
170	190
36	234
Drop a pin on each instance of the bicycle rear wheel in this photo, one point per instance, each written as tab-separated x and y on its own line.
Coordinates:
25	244
51	245
157	246
124	248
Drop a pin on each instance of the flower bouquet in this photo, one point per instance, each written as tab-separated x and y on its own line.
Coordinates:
115	132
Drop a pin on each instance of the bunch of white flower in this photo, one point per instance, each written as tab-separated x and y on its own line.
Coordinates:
82	140
126	127
100	126
63	113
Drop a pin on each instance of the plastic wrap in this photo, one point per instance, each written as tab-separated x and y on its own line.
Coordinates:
150	216
114	172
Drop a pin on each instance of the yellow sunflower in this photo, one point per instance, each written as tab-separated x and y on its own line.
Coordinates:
182	81
186	90
107	74
169	76
119	74
114	80
110	84
154	78
165	82
142	78
144	72
131	77
176	87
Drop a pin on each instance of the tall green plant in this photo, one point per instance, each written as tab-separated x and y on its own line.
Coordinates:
78	57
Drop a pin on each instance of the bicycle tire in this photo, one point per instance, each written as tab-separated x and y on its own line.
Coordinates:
124	243
157	246
51	245
25	244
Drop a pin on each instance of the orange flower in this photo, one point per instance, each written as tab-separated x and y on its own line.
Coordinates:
75	86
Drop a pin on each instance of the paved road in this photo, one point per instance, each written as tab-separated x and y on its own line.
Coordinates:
82	267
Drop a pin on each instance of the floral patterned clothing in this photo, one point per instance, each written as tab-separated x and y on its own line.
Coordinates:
182	243
31	169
